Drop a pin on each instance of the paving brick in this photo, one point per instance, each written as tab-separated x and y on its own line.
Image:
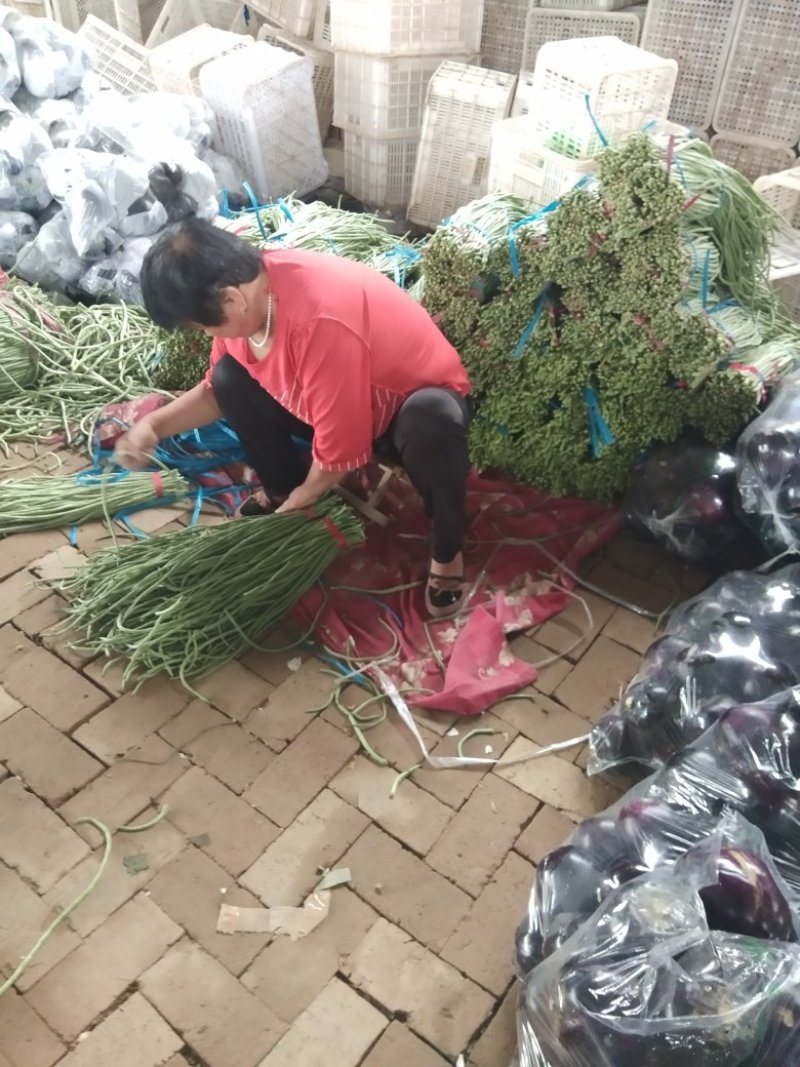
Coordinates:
550	672
284	715
438	722
25	1039
177	1061
199	804
159	845
33	839
632	630
413	816
18	593
292	780
497	1045
50	764
234	690
88	981
40	680
640	558
318	837
19	550
58	564
8	705
404	889
190	890
571	625
481	833
334	1031
223	1022
227	751
541	719
288	974
271	661
23	916
126	788
598	679
645	593
482	945
390	739
557	782
132	1036
398	1047
37	622
548	830
127	721
454	786
442	1006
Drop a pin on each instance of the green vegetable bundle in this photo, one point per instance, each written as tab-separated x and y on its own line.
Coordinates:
51	500
86	357
637	308
187	603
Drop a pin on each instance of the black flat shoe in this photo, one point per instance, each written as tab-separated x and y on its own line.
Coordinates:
444	595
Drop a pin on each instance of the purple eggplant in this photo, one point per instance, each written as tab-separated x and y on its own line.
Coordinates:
747	898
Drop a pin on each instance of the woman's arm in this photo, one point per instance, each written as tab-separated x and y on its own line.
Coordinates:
196	408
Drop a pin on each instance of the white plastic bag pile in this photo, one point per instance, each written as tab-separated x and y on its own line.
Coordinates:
89	177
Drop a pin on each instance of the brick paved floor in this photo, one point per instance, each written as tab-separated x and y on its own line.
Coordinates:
412	965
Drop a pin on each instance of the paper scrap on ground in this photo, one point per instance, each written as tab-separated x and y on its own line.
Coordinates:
295	664
136	863
332	879
293	922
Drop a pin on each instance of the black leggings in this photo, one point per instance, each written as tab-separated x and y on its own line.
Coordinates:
427	437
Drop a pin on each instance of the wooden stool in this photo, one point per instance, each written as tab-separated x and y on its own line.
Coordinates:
369	505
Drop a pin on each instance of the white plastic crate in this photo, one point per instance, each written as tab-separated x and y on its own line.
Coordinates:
120	61
296	17
40	9
536	174
323	71
782	192
263	101
136	18
760	90
179	16
594	88
589	5
383	96
462	106
379	170
697	34
546	24
503	34
176	64
73	13
406	27
750	155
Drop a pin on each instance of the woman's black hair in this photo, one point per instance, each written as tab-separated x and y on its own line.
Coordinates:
185	271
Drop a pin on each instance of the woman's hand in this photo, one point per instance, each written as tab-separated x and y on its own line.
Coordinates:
298	500
134	450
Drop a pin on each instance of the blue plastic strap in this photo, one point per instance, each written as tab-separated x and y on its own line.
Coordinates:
285	209
599	429
512	241
246	13
595	123
255	206
198	504
526	333
706	274
73	535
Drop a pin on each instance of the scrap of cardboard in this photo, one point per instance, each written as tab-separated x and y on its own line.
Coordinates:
293	922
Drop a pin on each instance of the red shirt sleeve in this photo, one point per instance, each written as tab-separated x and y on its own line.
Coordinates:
218	349
334	376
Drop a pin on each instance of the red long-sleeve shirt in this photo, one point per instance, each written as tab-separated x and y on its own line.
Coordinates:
349	346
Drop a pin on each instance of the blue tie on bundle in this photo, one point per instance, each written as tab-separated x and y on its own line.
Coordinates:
598	427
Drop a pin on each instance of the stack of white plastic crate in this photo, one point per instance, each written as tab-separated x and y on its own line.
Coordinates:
503	33
386	52
782	192
585	93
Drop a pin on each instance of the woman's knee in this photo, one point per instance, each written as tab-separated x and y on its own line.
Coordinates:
434	415
227	379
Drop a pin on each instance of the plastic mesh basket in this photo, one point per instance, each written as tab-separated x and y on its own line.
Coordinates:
176	64
136	18
750	155
782	192
406	27
536	174
179	16
252	93
589	5
323	71
760	91
379	170
593	88
462	105
40	9
697	34
120	61
298	18
383	96
547	24
503	34
73	13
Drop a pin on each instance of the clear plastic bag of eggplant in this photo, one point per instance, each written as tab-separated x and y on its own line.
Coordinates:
666	929
737	642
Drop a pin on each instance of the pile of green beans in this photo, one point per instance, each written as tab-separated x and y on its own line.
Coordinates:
187	603
50	501
87	357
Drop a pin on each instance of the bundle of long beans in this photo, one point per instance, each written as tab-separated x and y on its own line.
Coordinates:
187	603
50	501
86	357
318	227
